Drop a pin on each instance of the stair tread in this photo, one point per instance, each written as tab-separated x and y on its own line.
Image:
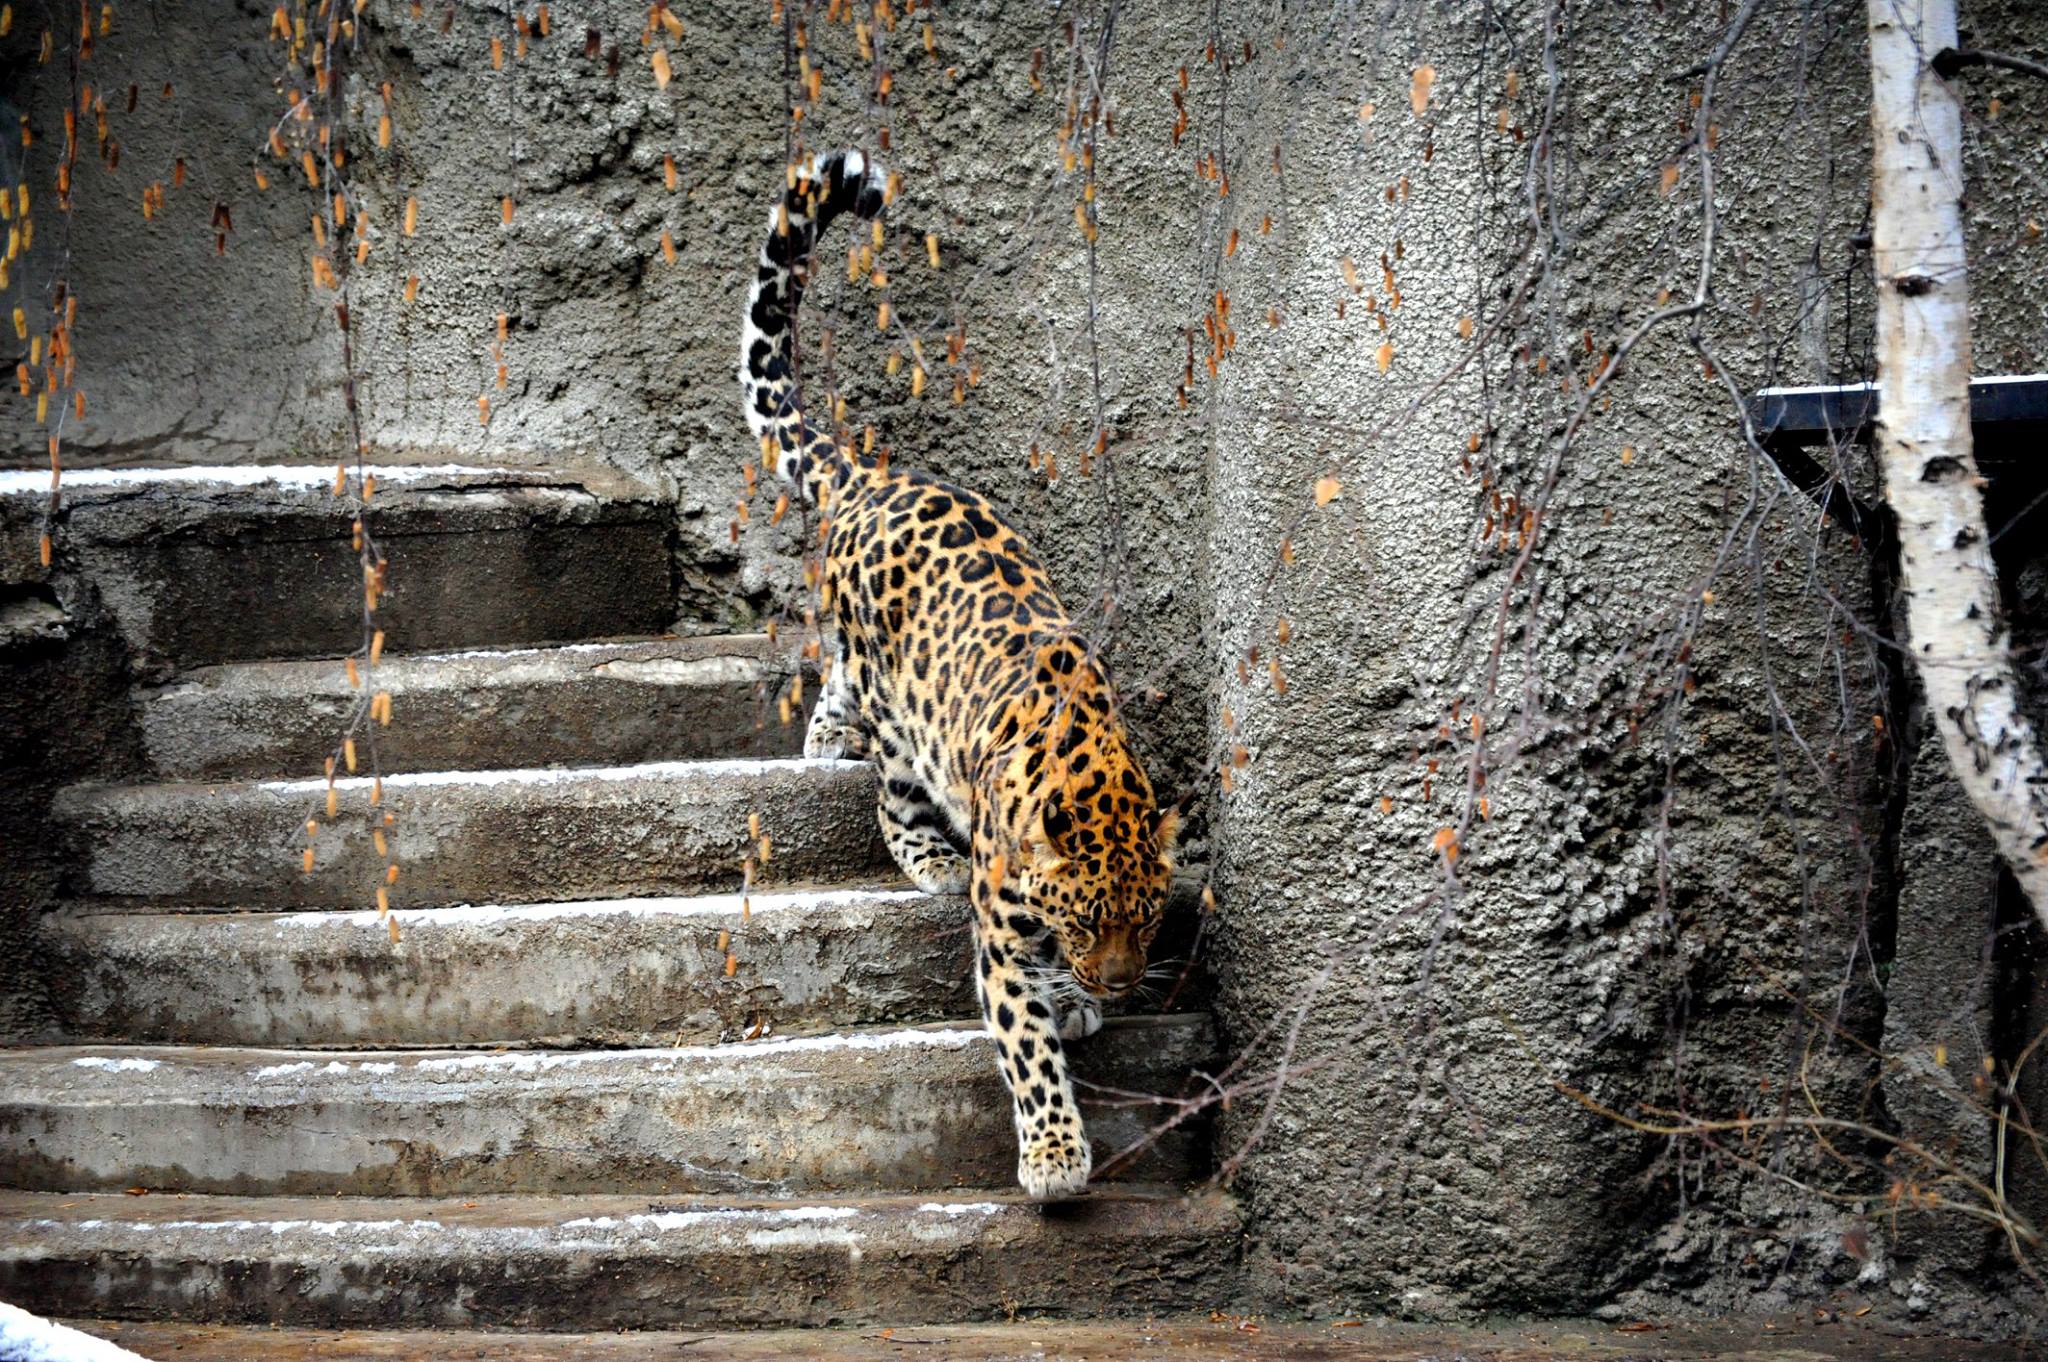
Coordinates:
601	703
783	898
206	565
142	1073
488	778
406	670
880	1107
605	1262
1188	1335
298	478
55	1216
626	971
523	834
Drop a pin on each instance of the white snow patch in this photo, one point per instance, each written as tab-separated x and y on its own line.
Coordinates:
333	1229
532	1062
18	482
282	1070
542	1061
29	1338
118	1066
959	1208
706	905
333	1066
677	1220
551	775
470	654
709	670
818	1213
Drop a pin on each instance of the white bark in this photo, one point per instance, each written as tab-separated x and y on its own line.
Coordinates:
1957	639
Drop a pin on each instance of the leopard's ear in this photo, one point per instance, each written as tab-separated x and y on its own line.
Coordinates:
1041	850
1047	864
1166	829
1040	856
1166	832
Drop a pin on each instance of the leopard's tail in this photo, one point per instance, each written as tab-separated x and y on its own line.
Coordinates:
842	182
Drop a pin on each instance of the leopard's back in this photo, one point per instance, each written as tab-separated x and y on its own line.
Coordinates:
941	607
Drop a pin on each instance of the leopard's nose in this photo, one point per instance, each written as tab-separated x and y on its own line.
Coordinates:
1121	970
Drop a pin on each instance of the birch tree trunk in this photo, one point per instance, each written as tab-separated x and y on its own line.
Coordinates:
1950	586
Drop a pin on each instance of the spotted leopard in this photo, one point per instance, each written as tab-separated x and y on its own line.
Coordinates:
1004	768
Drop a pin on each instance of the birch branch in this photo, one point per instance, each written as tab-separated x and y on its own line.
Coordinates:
1957	639
1948	61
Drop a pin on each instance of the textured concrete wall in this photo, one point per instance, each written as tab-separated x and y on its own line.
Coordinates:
1423	1159
1423	1162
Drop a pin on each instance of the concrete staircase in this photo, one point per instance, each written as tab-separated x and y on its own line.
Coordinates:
535	1108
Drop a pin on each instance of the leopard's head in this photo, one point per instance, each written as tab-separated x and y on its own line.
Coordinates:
1099	871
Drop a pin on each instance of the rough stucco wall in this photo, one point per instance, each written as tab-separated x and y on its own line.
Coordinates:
1377	1188
1423	1161
1425	1171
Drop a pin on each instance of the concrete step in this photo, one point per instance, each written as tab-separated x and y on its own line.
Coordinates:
209	565
907	1109
610	704
605	1263
1208	1330
512	836
607	972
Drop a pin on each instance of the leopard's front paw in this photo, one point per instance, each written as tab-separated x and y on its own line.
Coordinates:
940	874
1054	1164
834	742
1084	1020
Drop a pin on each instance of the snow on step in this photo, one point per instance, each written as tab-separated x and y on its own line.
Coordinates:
22	482
29	1338
905	1108
557	775
512	836
612	1262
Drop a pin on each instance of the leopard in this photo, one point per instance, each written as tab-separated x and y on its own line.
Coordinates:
1004	769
